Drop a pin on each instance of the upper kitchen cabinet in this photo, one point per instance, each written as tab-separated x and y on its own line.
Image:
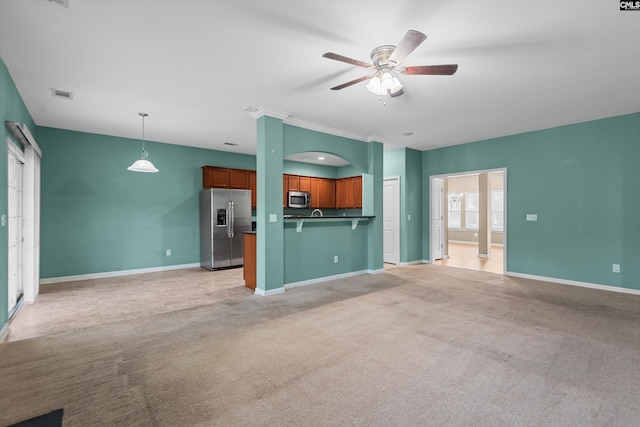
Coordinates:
216	177
327	194
253	186
349	192
213	177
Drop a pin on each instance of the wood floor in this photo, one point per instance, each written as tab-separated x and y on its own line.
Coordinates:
77	305
465	255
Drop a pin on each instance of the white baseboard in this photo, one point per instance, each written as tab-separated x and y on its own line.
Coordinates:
381	270
115	273
4	332
575	283
428	261
487	256
327	278
270	292
419	261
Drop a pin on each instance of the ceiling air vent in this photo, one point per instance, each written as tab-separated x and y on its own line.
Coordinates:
64	3
62	94
232	144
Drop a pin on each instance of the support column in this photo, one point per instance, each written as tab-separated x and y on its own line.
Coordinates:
372	205
484	217
270	231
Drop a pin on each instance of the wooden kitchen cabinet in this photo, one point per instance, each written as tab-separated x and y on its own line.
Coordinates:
327	193
249	262
349	193
341	194
357	191
214	177
314	189
293	183
253	187
239	179
285	190
304	183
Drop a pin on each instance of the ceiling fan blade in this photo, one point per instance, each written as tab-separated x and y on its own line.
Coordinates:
397	93
409	42
351	61
443	70
352	82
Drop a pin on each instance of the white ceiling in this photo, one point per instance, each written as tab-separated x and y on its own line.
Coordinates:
196	65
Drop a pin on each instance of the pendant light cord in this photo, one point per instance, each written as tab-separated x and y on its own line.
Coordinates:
144	152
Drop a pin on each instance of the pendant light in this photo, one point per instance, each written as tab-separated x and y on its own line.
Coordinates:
143	165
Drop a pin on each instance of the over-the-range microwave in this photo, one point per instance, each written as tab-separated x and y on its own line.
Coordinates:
299	199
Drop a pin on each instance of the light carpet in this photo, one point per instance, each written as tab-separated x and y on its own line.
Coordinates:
418	345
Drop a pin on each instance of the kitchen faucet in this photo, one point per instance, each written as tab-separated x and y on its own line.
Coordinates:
316	210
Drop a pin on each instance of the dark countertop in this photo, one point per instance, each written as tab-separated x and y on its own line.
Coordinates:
249	232
326	216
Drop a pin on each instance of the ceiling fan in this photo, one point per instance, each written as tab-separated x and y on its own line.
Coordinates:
386	60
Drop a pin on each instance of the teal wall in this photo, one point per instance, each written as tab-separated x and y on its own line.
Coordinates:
310	254
309	169
98	217
12	108
581	180
407	164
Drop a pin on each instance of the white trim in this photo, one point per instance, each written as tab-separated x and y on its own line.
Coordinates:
505	213
419	261
381	270
575	283
487	256
287	119
428	261
325	129
326	278
115	273
397	210
4	332
268	293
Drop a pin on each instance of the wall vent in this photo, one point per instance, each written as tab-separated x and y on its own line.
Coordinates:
232	144
64	3
62	94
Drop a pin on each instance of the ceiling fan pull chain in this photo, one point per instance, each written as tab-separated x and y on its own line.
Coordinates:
384	103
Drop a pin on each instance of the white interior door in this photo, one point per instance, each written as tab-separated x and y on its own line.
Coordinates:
391	220
14	226
437	218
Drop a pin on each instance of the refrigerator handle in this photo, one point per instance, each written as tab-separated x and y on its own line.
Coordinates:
231	230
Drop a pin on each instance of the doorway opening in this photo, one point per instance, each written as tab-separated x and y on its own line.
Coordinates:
473	226
15	239
391	220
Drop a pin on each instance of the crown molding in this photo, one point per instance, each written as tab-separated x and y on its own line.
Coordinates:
288	119
259	112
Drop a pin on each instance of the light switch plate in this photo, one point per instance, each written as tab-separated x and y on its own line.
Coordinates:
532	217
273	217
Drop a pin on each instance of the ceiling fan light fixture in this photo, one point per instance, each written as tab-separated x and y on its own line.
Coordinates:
386	79
375	87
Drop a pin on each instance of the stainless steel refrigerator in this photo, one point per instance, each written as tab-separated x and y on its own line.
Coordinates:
224	215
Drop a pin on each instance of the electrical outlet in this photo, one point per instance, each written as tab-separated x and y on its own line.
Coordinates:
168	252
616	268
335	259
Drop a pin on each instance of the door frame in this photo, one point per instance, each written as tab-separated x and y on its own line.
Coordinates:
18	258
398	212
432	219
505	195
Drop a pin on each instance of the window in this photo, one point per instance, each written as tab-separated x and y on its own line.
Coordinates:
497	210
471	210
455	201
